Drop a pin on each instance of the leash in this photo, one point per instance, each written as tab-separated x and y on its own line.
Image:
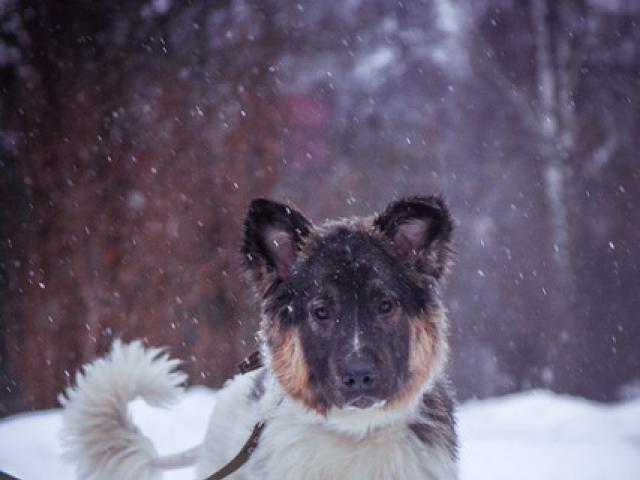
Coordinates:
243	455
252	362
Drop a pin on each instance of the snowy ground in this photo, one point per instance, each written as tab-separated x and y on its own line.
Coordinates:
535	435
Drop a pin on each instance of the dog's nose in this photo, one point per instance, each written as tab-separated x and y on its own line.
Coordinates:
359	374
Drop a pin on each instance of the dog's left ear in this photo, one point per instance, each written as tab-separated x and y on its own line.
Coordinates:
273	235
420	230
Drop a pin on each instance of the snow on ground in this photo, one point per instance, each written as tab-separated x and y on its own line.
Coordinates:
533	435
541	435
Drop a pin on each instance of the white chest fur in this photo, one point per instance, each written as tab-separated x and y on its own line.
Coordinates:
296	445
312	452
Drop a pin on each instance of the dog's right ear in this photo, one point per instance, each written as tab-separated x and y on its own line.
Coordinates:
273	236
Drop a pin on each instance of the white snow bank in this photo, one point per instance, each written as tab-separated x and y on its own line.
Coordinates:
541	435
534	435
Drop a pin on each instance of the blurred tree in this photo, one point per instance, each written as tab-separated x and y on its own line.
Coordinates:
135	133
546	62
135	183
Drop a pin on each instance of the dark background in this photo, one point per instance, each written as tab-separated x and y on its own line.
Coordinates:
133	135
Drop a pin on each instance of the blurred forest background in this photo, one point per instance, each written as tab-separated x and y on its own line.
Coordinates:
133	135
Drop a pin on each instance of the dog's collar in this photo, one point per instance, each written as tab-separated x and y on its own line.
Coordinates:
250	363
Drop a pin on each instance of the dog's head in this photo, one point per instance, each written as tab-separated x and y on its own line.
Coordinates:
351	315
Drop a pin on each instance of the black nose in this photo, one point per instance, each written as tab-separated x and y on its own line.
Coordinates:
359	374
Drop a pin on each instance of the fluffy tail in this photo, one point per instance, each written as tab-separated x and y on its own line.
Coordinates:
97	431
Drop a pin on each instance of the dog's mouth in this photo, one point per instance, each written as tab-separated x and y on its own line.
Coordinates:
364	401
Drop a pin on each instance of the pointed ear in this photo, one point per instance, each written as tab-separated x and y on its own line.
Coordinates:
420	230
273	234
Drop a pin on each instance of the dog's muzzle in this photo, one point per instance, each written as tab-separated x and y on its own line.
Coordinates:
359	379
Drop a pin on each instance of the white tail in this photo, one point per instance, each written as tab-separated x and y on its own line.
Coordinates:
97	431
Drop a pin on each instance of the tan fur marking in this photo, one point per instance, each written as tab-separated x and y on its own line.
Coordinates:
290	367
309	244
421	356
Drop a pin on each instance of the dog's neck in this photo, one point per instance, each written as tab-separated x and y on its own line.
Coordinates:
357	423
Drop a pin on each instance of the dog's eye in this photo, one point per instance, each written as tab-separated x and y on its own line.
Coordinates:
321	313
385	306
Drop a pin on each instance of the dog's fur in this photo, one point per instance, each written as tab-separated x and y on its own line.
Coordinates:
354	340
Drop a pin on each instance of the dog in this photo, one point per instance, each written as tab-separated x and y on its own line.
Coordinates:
353	337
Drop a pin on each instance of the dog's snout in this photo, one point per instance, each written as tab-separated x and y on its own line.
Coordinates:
359	374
